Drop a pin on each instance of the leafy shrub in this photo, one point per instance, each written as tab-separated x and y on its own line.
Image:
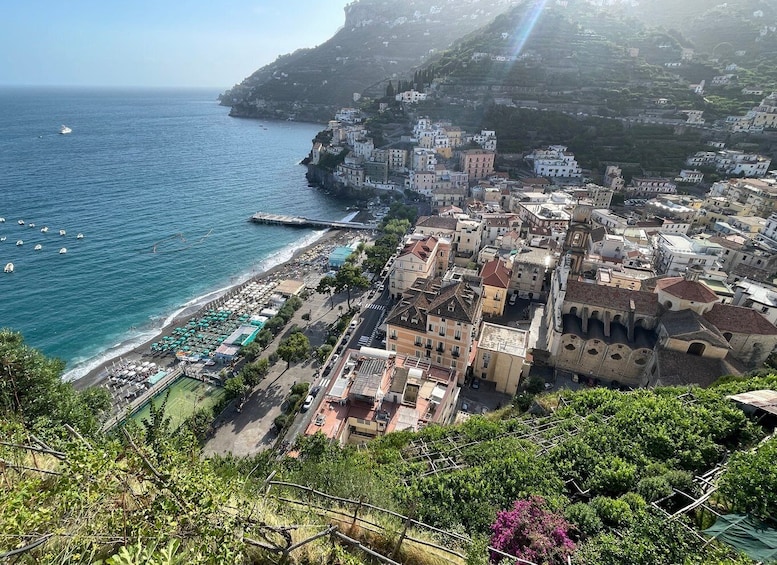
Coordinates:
654	488
613	475
614	513
300	389
584	519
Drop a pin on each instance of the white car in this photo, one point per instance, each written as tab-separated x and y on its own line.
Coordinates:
308	403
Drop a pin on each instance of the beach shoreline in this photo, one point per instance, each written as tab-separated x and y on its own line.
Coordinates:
99	374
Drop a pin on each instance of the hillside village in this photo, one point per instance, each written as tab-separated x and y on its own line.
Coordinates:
513	278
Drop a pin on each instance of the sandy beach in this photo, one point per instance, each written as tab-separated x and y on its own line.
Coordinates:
294	268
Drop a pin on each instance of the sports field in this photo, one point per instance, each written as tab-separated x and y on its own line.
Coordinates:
186	396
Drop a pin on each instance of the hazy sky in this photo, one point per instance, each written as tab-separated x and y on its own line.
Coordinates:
213	43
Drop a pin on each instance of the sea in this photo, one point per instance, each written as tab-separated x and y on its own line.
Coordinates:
161	184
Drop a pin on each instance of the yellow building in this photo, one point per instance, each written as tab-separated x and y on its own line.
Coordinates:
436	321
501	357
496	281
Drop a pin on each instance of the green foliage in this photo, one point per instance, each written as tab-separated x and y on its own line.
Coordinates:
300	389
31	388
615	513
750	481
535	385
235	387
294	348
323	352
251	351
584	519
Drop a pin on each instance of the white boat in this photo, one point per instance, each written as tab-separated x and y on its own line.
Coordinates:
8	268
2	220
2	238
44	229
62	232
64	129
38	247
21	222
63	251
80	236
31	225
19	243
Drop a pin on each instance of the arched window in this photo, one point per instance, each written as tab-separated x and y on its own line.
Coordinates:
569	347
616	356
592	351
696	348
573	310
668	304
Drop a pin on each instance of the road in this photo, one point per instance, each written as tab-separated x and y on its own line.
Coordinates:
370	316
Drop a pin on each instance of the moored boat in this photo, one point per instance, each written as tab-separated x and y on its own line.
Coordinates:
63	251
8	268
80	236
19	243
44	229
62	232
64	129
20	222
38	247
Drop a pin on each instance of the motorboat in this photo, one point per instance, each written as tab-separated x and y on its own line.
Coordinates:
8	268
63	251
19	243
62	232
44	229
38	247
2	238
2	220
31	225
80	236
21	222
65	130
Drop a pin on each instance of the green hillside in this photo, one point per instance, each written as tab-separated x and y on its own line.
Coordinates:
598	460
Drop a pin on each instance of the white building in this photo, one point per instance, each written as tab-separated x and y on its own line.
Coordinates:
555	161
676	252
410	96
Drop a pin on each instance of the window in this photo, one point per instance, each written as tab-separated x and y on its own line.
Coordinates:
592	351
486	360
569	347
442	330
616	356
393	334
457	334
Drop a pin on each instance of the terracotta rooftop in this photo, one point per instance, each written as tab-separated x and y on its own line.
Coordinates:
686	290
739	319
438	222
612	297
421	248
495	273
687	325
456	301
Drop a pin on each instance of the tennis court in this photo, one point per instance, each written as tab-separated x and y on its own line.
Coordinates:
186	396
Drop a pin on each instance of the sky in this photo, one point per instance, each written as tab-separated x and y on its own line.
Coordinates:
155	43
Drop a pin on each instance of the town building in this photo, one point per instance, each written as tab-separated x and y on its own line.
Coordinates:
676	252
436	321
650	187
477	163
496	283
421	257
502	357
555	161
374	392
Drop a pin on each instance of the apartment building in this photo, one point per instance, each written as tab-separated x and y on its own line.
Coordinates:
502	357
422	257
436	321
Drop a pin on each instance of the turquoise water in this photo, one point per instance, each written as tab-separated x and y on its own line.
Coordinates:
161	184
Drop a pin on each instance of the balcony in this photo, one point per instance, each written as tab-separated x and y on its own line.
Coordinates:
393	336
440	349
428	346
455	353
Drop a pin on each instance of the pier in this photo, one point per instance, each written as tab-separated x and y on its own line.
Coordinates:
301	222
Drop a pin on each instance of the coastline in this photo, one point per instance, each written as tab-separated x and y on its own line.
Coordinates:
289	267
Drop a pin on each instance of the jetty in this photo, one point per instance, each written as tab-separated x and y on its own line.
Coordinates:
301	222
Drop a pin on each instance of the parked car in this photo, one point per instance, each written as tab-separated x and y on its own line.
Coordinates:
308	403
314	391
475	384
513	298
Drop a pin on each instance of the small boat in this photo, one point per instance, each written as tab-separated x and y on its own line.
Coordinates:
2	238
80	236
31	225
38	247
64	129
44	229
62	232
2	220
19	243
63	251
21	222
8	268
